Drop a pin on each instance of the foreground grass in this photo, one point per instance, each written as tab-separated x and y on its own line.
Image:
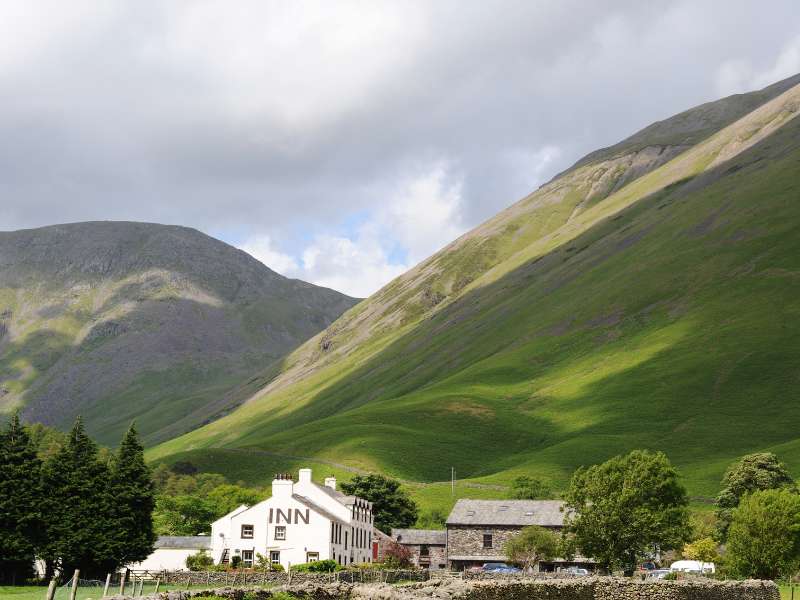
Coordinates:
35	592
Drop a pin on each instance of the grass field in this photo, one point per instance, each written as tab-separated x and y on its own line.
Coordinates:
664	316
31	592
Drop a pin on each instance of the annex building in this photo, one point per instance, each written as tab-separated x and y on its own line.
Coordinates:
302	522
477	530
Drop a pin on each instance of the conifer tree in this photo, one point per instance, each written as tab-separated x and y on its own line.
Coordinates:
133	500
20	502
79	519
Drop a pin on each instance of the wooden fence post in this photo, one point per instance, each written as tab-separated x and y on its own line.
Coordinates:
108	583
74	591
122	582
51	589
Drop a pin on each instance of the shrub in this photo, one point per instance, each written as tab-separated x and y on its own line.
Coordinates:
318	566
397	556
199	562
236	561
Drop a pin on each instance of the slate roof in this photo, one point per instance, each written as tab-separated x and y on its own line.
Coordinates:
431	537
317	508
184	542
545	513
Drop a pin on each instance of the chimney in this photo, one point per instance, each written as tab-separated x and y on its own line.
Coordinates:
330	482
305	476
282	486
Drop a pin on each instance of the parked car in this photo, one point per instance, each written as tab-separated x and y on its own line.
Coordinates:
497	567
578	571
657	573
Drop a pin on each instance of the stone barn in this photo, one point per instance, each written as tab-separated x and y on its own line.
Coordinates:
428	546
477	530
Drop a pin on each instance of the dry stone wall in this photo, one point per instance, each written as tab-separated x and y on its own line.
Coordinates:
604	588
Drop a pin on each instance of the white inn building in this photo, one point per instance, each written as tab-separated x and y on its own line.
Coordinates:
302	522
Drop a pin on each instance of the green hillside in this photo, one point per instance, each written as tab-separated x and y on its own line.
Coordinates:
120	321
649	297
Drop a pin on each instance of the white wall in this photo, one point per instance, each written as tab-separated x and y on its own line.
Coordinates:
300	538
170	559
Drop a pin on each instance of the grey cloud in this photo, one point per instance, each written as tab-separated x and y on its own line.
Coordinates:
121	115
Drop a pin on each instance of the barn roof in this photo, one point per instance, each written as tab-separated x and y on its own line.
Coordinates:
430	537
184	542
545	513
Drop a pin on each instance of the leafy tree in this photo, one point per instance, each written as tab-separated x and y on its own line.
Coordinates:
703	550
432	519
79	519
391	505
532	545
20	502
623	509
764	535
760	471
530	488
183	515
224	498
132	490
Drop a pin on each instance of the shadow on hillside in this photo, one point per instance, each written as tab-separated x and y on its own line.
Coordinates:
661	263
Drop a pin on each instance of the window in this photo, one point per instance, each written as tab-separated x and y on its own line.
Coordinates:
312	557
345	541
487	540
247	558
424	550
280	532
247	531
274	557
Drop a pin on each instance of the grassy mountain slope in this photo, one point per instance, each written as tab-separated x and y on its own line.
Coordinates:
117	321
647	297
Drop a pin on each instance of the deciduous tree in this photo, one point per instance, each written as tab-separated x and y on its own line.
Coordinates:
764	535
703	550
532	545
760	471
391	505
624	509
183	515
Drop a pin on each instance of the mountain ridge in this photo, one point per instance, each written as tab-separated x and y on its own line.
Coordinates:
126	306
569	327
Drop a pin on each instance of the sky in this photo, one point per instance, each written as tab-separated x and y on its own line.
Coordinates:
343	142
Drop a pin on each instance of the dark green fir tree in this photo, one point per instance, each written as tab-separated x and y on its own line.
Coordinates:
79	518
20	503
133	500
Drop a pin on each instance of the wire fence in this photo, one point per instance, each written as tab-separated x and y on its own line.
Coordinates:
93	589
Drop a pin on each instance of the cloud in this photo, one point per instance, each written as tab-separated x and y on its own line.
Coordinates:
739	75
263	249
278	125
423	215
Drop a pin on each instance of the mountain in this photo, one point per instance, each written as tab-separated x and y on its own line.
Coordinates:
119	321
647	297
